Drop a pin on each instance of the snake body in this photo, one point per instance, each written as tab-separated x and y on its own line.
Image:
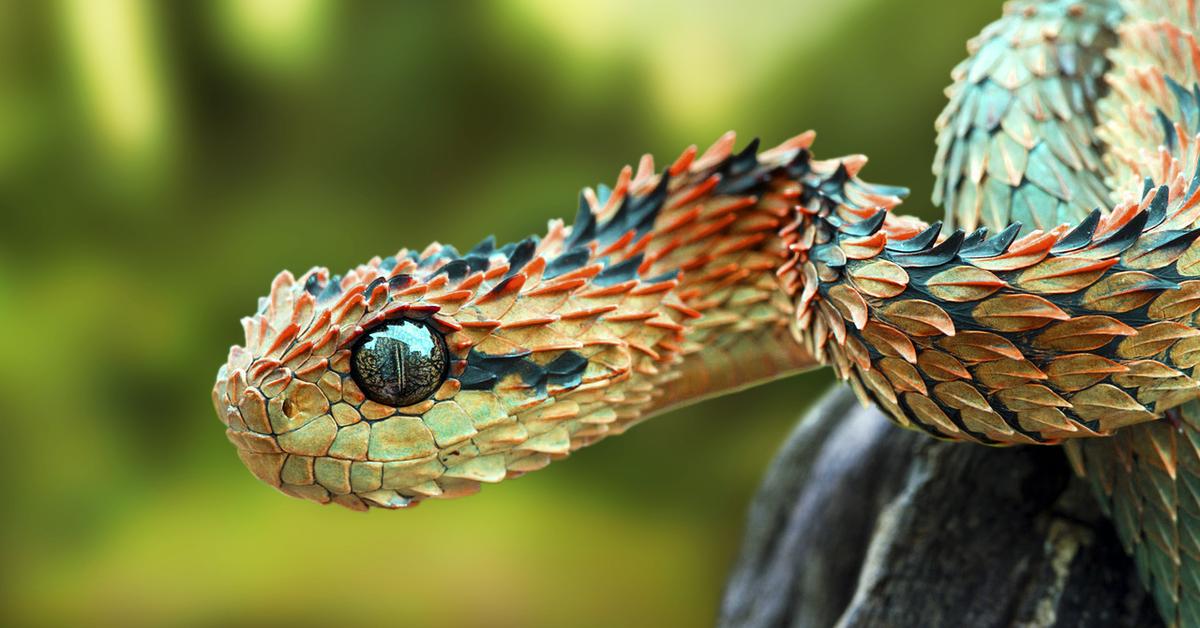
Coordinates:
1056	305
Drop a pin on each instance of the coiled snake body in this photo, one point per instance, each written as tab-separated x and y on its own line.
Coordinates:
1058	304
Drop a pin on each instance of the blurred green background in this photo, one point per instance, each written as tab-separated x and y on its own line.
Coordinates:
159	162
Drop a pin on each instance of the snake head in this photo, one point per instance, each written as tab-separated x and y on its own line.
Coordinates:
395	382
421	375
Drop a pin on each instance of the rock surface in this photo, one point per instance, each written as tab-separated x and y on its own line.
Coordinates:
861	523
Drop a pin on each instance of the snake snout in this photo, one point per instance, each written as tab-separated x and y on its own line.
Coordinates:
347	391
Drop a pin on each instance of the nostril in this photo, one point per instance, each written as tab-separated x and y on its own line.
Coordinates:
289	408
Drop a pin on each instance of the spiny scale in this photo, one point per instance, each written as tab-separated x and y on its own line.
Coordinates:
1013	340
1146	475
1016	143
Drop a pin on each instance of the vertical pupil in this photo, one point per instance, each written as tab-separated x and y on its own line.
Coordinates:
399	363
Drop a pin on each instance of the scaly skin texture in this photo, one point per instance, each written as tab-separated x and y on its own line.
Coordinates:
1141	117
664	290
1063	309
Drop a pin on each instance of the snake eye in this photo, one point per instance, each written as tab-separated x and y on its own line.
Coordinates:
399	363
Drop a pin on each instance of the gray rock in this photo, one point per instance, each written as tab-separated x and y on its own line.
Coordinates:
861	523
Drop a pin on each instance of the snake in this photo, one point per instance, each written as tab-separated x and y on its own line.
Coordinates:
1057	302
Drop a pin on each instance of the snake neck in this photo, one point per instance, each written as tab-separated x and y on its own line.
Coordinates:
746	280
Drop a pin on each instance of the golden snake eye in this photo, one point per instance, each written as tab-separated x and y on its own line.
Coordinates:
399	363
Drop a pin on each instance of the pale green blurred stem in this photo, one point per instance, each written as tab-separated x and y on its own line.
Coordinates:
115	56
